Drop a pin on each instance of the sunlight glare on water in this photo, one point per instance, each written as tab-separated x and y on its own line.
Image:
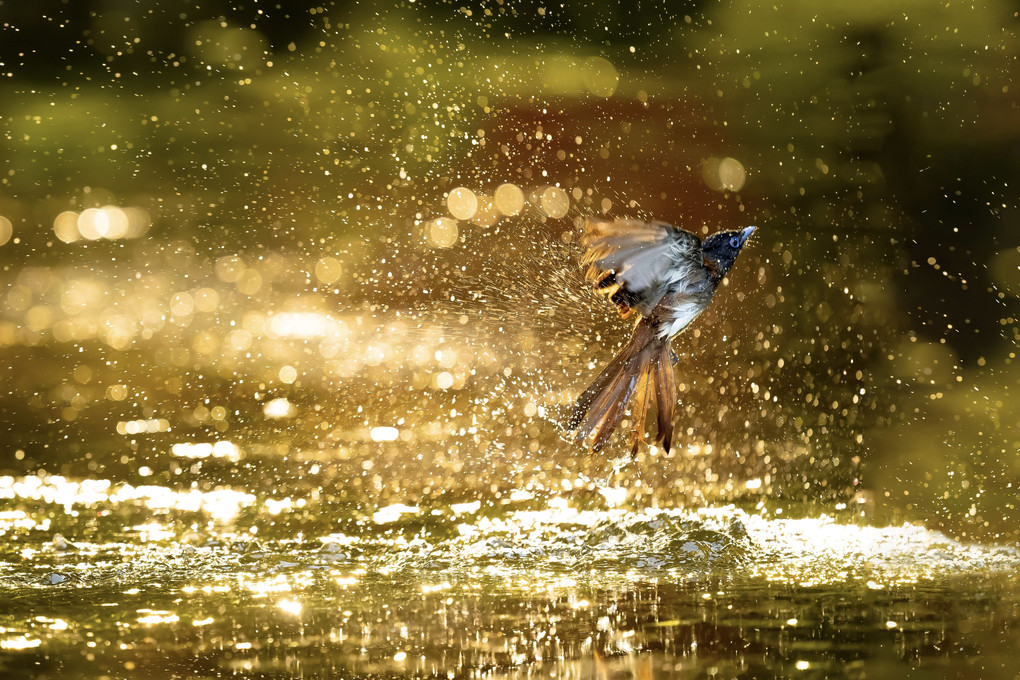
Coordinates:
586	561
606	543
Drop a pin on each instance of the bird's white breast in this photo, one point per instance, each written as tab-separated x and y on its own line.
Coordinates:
682	314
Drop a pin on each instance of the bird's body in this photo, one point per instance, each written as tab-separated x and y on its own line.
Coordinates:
667	276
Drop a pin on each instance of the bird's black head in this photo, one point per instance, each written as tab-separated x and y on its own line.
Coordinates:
721	249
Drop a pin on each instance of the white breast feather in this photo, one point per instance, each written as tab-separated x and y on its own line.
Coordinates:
685	312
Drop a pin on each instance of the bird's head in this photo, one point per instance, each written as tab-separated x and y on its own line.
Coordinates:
720	250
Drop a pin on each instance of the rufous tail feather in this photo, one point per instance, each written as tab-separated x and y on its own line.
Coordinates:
644	365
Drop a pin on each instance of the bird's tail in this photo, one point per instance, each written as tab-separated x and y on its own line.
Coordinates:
643	366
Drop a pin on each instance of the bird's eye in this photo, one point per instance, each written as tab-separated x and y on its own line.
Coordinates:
735	242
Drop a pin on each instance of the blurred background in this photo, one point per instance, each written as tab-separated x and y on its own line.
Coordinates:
240	239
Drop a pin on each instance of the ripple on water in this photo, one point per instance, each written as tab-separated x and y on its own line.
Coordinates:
118	531
526	587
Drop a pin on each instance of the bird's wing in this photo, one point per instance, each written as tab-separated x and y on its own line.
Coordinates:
631	261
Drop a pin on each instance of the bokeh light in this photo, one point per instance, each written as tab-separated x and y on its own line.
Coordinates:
554	202
723	174
328	270
109	222
443	232
509	199
600	76
462	203
65	226
278	408
384	434
486	215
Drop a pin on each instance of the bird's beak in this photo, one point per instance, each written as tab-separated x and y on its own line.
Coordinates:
746	234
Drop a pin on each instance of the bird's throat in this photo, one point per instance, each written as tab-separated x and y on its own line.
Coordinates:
715	272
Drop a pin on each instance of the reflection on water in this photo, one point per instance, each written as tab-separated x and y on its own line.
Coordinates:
149	579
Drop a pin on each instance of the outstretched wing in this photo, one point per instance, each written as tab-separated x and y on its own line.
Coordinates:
633	261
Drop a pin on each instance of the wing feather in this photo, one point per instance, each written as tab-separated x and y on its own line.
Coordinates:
632	260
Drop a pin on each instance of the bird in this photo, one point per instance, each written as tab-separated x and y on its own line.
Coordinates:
666	276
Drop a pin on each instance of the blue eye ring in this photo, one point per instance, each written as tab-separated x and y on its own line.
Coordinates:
735	242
